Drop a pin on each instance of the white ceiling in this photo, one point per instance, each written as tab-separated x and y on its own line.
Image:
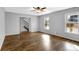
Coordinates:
29	11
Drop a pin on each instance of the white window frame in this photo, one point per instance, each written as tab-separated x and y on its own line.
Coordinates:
46	19
66	21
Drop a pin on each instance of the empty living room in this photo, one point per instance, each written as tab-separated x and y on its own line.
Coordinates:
39	28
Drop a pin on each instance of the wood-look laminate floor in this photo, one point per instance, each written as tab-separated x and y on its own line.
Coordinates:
38	42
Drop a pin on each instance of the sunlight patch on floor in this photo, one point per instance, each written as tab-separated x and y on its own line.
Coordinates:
46	41
69	46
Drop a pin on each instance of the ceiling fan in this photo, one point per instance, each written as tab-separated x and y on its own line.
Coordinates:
39	9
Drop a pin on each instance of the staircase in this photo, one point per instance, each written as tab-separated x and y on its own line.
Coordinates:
26	25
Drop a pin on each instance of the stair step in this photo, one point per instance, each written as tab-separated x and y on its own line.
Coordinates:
26	28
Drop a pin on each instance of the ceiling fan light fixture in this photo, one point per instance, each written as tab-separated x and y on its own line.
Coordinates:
39	9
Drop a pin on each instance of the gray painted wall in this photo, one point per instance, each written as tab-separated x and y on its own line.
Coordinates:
13	23
2	26
57	24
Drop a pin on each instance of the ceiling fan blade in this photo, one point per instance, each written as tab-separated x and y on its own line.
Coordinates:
44	8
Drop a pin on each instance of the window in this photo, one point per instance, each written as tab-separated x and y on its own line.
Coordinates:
46	23
72	23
